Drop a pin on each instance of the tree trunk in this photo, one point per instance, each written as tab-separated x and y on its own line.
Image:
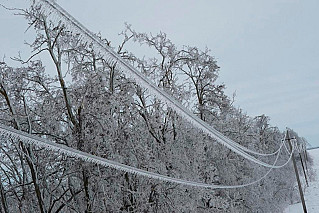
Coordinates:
3	199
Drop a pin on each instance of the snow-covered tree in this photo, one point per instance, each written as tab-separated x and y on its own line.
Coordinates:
85	102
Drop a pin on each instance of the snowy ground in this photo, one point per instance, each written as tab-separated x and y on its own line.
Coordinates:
312	192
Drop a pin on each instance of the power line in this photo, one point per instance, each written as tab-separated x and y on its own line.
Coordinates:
55	12
17	135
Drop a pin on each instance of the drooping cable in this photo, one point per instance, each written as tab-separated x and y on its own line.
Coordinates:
16	135
54	11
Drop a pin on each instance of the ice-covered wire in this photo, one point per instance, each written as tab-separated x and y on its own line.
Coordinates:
54	12
16	135
286	147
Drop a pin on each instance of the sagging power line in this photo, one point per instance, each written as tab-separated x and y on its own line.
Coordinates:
55	12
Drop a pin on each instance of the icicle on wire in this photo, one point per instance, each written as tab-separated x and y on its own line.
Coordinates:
16	135
54	11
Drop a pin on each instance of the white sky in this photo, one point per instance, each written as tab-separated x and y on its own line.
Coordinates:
268	51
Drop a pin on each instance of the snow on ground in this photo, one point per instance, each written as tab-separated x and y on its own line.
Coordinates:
312	192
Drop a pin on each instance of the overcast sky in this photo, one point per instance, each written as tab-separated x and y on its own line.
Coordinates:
268	51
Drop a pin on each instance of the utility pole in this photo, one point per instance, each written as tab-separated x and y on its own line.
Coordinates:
297	175
303	169
306	154
301	150
306	159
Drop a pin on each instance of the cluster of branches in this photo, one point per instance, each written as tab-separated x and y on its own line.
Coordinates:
83	102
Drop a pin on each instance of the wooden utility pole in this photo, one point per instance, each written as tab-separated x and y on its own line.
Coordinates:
297	174
306	159
303	169
306	154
